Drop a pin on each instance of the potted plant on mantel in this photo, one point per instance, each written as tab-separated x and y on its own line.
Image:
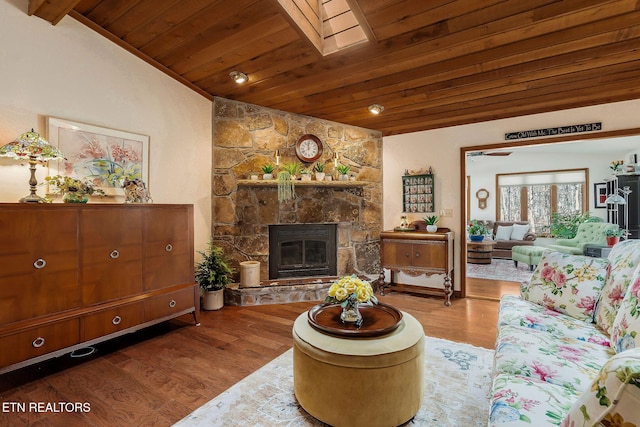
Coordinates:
213	274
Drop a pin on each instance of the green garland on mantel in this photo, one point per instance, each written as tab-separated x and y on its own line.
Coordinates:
286	187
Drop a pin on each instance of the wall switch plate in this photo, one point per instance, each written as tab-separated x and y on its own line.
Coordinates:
446	213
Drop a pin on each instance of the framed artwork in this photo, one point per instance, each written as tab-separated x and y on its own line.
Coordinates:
417	193
600	195
104	156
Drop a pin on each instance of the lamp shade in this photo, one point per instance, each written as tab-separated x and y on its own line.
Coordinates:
615	199
31	146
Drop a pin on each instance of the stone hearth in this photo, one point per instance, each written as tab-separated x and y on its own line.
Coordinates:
279	292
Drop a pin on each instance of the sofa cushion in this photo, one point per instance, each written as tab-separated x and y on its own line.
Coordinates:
565	362
569	284
613	398
504	232
517	312
517	400
518	231
624	259
626	327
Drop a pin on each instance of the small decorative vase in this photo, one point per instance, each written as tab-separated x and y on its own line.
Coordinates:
432	228
73	197
343	178
305	177
267	176
319	176
350	313
475	238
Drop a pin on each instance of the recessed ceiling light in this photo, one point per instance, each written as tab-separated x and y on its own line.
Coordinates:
238	77
376	108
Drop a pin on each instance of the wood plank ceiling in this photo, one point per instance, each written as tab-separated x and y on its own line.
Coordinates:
432	64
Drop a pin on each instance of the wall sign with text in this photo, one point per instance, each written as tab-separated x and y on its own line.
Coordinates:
561	130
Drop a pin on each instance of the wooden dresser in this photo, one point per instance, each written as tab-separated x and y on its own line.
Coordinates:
417	253
74	275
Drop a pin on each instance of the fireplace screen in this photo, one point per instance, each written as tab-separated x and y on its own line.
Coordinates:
302	250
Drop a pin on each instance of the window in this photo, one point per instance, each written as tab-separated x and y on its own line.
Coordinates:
533	196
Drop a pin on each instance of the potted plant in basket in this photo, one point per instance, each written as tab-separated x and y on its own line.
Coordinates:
431	223
213	274
613	235
476	231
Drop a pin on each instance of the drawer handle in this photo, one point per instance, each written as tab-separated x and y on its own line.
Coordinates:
38	342
172	303
114	254
168	248
40	263
116	320
407	254
417	254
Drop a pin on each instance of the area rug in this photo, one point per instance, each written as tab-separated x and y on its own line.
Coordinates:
500	269
458	378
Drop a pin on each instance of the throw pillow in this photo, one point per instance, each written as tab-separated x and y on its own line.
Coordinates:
504	232
625	258
569	284
626	327
519	230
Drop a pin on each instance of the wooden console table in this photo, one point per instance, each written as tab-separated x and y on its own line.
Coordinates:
417	253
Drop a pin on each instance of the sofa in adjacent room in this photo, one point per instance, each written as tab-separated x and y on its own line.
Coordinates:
568	348
593	233
508	234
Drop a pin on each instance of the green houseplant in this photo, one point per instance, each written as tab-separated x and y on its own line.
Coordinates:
305	174
476	231
343	170
431	223
319	168
268	171
565	225
613	235
213	274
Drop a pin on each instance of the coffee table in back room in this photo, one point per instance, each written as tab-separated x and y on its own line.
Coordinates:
480	252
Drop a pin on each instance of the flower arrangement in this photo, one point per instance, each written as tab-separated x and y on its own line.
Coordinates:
135	191
77	188
616	165
350	289
476	228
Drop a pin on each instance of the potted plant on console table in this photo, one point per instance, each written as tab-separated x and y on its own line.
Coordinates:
213	274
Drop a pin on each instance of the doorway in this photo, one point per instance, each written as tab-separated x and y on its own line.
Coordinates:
477	288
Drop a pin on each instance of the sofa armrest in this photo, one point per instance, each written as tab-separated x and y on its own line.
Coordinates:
529	237
614	394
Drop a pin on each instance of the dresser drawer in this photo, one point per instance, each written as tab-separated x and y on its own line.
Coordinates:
110	321
38	341
168	304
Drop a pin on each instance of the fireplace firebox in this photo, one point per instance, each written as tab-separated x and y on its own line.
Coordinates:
302	250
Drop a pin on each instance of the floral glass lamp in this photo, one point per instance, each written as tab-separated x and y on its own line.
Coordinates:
32	147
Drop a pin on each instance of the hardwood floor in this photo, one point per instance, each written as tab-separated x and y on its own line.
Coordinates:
491	289
157	376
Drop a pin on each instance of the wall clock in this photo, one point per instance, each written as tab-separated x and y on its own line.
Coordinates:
482	195
309	148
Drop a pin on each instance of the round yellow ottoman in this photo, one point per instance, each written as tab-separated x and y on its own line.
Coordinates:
355	382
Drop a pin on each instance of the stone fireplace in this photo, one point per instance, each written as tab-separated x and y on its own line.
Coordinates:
245	138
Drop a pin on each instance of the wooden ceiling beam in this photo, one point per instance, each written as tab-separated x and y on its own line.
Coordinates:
51	10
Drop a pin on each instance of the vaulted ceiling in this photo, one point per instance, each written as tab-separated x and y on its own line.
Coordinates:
430	63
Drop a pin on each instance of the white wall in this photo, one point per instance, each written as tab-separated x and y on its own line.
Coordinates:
71	72
440	149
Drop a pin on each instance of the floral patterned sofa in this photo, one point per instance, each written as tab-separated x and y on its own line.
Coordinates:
568	349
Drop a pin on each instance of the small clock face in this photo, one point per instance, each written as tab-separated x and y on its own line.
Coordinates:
309	148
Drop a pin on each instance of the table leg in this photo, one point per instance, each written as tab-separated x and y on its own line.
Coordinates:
448	290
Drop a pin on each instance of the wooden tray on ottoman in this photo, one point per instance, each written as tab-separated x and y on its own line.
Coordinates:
378	319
